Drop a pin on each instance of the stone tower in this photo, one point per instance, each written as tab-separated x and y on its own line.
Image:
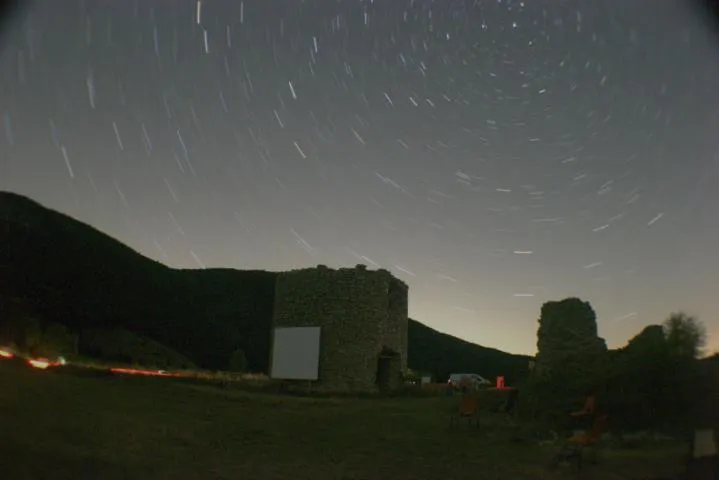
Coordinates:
363	320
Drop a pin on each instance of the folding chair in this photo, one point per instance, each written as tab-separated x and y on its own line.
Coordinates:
574	448
468	408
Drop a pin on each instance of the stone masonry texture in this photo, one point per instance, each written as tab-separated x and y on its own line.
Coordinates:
363	313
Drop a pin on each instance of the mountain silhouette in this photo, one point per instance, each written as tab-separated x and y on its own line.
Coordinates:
64	271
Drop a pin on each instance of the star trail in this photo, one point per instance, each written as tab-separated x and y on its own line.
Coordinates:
492	154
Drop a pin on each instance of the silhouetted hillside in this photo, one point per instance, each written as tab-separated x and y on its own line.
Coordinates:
67	272
64	271
442	354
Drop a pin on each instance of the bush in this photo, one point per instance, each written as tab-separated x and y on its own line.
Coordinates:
649	386
646	386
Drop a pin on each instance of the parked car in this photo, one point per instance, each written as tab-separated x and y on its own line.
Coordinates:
469	380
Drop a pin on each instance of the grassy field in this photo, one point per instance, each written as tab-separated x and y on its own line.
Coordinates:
63	426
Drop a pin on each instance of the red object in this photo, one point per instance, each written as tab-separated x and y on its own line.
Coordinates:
500	382
153	373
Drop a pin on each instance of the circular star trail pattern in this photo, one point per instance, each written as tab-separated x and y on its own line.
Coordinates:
493	154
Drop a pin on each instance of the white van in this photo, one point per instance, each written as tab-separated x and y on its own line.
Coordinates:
474	380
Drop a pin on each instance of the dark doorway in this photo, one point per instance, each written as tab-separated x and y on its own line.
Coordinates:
388	369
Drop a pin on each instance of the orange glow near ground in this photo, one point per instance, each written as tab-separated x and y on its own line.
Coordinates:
44	363
40	363
133	371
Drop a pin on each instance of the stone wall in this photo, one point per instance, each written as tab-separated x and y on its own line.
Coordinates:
567	336
394	331
362	313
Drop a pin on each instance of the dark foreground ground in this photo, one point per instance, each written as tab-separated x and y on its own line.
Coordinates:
55	426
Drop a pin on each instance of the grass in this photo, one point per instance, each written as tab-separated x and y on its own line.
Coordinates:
58	426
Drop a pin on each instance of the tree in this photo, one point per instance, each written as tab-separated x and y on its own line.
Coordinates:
651	341
640	378
685	334
653	380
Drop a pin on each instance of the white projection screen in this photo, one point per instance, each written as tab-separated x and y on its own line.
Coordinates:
296	353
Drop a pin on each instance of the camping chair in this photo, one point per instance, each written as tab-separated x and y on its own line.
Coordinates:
589	408
468	408
583	419
573	449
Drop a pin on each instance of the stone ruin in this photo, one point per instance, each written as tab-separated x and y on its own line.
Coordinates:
567	335
363	320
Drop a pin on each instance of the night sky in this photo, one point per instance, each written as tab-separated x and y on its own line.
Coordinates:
492	154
